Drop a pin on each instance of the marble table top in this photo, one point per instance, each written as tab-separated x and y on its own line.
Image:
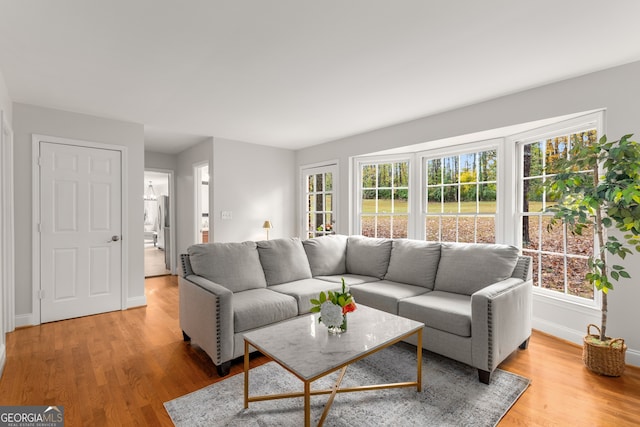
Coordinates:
307	349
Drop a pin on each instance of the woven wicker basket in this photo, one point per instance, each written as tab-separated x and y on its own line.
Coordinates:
604	359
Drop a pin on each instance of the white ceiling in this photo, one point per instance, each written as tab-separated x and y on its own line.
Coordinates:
294	73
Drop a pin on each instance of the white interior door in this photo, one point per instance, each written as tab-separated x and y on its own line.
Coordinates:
80	231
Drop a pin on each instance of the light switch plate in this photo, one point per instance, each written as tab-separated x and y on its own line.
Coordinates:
226	215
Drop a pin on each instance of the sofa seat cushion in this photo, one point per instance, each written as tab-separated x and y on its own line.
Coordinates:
384	294
349	279
368	256
305	290
414	262
260	307
283	260
236	266
327	255
444	311
466	268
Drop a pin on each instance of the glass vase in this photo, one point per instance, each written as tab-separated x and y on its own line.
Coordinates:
337	330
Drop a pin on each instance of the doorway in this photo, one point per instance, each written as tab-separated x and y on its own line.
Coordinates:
157	223
202	230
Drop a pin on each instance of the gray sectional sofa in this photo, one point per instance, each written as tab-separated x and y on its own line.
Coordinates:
475	299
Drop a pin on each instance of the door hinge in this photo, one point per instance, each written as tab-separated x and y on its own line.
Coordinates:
41	294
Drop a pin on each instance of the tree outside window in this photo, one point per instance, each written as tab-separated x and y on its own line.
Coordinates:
461	197
384	199
559	257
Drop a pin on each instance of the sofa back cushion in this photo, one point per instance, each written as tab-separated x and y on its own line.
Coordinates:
368	256
283	260
466	268
236	266
414	262
327	255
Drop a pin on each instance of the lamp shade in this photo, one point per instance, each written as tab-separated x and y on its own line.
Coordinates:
267	225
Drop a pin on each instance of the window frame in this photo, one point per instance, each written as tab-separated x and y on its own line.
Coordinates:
457	150
518	141
332	166
357	179
509	153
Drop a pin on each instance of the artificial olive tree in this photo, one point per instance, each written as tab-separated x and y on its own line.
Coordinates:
600	188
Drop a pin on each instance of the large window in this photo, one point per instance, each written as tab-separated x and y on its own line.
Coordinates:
460	194
384	199
485	191
559	257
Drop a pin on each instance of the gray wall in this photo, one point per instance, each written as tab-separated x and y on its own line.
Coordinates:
167	162
255	183
5	100
616	89
28	120
185	197
153	160
6	109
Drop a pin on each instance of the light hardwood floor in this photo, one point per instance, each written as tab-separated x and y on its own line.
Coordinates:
118	368
154	261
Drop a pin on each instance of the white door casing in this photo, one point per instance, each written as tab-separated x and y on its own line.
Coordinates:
80	224
319	197
7	246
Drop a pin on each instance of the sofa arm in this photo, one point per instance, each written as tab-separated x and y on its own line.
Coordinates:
185	263
500	321
206	316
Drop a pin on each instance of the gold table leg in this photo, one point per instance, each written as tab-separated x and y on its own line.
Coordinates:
419	357
307	393
335	389
246	375
307	404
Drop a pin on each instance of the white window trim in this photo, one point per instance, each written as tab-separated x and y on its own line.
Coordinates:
508	223
489	144
328	166
516	142
410	158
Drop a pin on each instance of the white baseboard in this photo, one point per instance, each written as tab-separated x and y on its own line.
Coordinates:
559	331
25	320
632	356
3	358
133	302
28	319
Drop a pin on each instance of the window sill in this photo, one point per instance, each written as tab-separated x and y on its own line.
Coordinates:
548	297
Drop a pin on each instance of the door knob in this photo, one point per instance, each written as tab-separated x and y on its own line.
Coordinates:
113	239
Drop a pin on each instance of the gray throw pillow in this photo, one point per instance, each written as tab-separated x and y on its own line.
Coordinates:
466	268
235	266
327	255
414	262
283	260
368	256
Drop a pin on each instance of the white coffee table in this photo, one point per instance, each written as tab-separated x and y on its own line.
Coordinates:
305	348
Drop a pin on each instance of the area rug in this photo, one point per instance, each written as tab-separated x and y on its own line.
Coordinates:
451	396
